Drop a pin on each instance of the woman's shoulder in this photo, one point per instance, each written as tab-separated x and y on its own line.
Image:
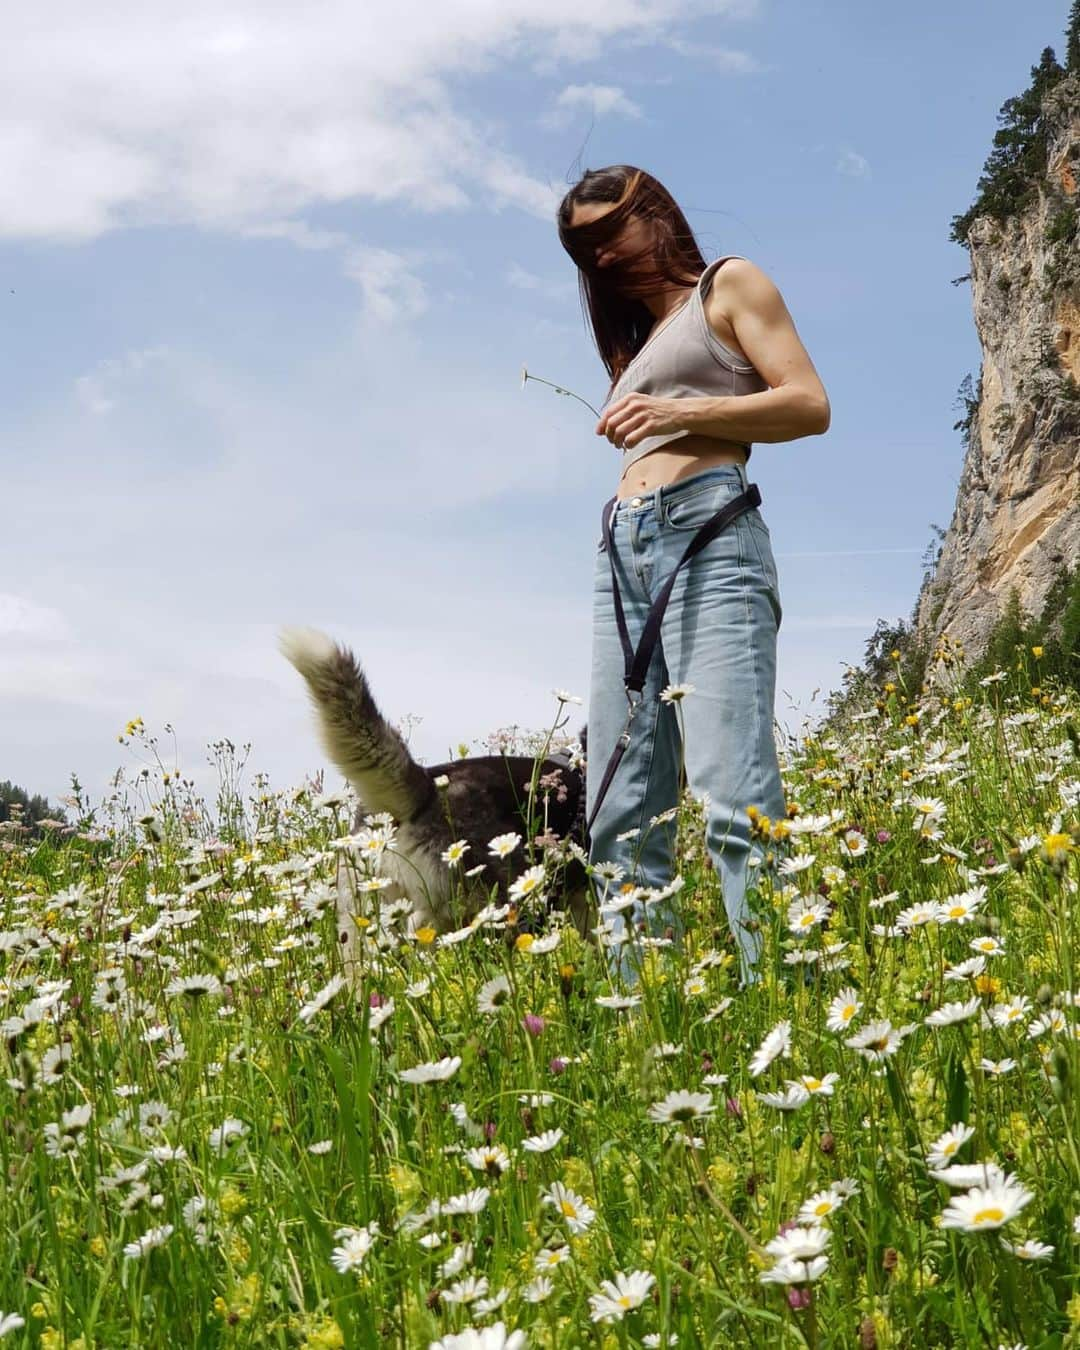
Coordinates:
739	285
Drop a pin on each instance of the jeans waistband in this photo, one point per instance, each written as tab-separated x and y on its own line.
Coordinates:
655	498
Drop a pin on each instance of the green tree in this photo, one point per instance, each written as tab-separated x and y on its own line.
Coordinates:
1072	40
28	810
1017	163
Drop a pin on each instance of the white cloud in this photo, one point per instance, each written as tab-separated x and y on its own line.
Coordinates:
603	100
20	617
123	113
95	391
561	292
853	165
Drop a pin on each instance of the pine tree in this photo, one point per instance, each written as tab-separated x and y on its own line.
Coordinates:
1072	40
1017	163
29	810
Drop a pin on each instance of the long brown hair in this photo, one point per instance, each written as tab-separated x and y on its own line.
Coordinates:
621	321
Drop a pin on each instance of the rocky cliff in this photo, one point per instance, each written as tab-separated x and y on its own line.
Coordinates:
1016	521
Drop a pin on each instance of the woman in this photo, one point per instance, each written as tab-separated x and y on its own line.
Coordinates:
703	360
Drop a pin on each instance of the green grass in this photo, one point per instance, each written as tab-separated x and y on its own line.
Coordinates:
98	920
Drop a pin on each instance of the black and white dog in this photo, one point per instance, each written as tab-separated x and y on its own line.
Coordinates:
484	796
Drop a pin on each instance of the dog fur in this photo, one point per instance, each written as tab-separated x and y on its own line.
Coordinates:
486	796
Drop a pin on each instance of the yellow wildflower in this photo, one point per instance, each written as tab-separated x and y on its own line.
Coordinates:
327	1337
233	1202
241	1303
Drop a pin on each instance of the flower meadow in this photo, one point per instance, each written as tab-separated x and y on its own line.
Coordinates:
218	1131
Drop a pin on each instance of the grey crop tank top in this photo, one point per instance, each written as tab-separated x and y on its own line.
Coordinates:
685	358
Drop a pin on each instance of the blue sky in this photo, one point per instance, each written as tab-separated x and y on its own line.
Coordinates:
269	276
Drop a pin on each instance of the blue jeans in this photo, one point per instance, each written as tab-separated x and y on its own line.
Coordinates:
719	634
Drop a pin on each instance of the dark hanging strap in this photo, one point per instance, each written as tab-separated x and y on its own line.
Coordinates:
636	664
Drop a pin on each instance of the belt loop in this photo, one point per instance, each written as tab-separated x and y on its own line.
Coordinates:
742	475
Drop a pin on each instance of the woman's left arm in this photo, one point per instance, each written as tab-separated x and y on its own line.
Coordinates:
795	404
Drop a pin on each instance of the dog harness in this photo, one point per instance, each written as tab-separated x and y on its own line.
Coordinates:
637	662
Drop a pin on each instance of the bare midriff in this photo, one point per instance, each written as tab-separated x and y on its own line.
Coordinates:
663	466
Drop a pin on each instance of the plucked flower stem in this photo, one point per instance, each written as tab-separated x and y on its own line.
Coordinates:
525	377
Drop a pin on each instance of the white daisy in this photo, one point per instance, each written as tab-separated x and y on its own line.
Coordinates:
963	970
493	994
805	913
322	998
950	1013
962	1176
681	1105
986	1206
787	1270
349	1256
618	1001
962	908
228	1132
454	854
777	1042
465	1291
1029	1250
547	1257
530	883
504	844
155	1237
877	1040
471	1202
816	1086
842	1009
618	1296
947	1145
676	692
576	1214
801	1243
456	1262
490	1338
793	1096
1010	1012
542	1143
819	1206
437	1072
491	1158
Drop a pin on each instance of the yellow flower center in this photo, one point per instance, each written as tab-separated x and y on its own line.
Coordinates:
991	1215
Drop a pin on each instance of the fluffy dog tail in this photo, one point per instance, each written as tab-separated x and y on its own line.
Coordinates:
356	736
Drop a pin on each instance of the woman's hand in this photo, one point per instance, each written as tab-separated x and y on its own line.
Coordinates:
634	417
